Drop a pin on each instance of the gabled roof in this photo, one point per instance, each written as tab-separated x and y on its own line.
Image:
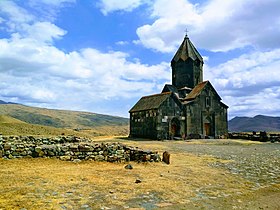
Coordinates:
223	104
187	50
150	102
196	91
169	88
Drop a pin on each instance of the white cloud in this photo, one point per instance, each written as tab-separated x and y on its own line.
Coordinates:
35	72
122	43
171	21
43	31
249	84
108	6
216	25
13	16
57	3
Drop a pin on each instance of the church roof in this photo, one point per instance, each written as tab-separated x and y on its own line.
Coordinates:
150	102
198	89
169	88
187	50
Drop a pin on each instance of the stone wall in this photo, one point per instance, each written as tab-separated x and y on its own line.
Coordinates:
71	148
260	136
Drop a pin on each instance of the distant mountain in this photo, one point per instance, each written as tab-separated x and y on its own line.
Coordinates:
257	123
63	119
3	102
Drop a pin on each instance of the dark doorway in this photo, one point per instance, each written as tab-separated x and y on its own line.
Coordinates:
175	127
207	128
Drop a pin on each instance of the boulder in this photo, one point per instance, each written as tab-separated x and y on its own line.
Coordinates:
166	157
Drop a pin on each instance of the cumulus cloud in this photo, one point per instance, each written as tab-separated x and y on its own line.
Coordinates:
108	6
247	82
13	17
100	75
215	25
49	9
35	72
250	84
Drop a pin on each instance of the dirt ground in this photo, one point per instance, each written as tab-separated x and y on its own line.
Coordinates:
203	174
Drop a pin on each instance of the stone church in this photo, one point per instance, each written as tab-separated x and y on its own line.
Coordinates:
189	108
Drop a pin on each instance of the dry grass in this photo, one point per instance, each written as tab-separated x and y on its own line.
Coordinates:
187	183
50	183
12	126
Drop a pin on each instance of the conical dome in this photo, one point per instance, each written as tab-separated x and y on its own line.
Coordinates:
187	50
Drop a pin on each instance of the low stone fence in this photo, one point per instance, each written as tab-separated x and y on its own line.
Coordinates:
254	136
72	148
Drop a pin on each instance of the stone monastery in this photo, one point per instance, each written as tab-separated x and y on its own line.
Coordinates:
189	108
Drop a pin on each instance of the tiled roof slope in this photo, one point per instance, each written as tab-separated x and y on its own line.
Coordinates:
198	89
150	102
187	50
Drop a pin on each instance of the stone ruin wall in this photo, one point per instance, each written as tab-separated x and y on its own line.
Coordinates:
72	148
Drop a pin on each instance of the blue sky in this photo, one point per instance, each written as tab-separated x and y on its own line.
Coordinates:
102	56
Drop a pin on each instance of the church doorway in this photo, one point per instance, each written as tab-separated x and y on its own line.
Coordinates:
175	127
207	128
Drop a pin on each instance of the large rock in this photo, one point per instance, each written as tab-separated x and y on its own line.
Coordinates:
7	146
166	157
74	148
85	148
65	158
38	149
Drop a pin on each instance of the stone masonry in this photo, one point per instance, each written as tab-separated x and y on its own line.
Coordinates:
71	148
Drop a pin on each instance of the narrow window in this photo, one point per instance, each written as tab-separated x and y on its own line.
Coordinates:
207	102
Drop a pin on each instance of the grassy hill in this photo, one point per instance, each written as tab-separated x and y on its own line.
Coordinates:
257	123
12	126
42	120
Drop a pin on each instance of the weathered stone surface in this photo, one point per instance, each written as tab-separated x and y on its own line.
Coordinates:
65	158
128	166
76	161
71	148
7	146
38	149
166	157
74	148
138	181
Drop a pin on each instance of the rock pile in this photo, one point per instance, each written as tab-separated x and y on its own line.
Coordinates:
72	148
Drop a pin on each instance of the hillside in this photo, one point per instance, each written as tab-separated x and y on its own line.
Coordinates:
12	126
58	121
257	123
